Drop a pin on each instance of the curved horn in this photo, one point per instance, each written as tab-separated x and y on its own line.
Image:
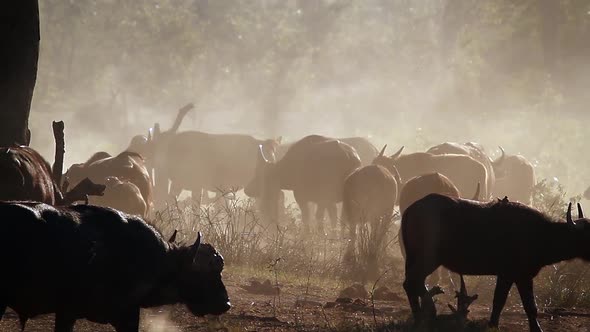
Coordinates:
500	160
198	241
580	212
382	151
398	153
568	215
261	154
476	195
173	237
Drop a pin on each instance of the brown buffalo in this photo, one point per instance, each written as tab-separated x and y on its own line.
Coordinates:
475	151
26	175
370	193
195	160
501	238
314	168
464	171
421	186
127	166
122	195
364	148
515	178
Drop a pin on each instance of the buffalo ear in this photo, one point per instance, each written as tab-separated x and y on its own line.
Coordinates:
173	237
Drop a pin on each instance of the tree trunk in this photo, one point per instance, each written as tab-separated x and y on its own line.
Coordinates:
19	53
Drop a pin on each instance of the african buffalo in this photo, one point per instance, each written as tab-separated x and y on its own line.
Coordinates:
421	186
364	148
475	151
127	166
26	175
96	263
464	171
194	160
370	193
122	195
501	238
515	178
314	168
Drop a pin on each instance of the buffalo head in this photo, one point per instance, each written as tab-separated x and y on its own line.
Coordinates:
582	227
194	279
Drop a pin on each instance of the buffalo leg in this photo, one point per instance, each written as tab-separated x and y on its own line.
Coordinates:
503	286
304	207
525	289
128	322
414	286
64	323
333	213
320	212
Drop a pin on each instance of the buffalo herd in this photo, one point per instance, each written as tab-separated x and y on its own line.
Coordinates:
106	262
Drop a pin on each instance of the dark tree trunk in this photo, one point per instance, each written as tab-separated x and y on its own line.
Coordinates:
19	53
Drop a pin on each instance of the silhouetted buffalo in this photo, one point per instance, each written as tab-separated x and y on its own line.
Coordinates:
502	238
314	168
97	263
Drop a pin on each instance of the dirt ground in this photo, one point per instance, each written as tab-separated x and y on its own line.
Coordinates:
295	311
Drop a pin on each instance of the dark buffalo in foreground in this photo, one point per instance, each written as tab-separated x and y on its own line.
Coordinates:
515	178
501	238
370	194
127	166
314	168
95	263
464	171
475	151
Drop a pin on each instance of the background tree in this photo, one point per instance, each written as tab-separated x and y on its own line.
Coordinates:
19	28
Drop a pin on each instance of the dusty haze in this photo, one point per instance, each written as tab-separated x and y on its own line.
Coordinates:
411	73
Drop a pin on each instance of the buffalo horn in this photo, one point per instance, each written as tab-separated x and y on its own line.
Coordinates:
398	153
382	151
568	215
500	159
262	153
580	212
476	195
173	237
